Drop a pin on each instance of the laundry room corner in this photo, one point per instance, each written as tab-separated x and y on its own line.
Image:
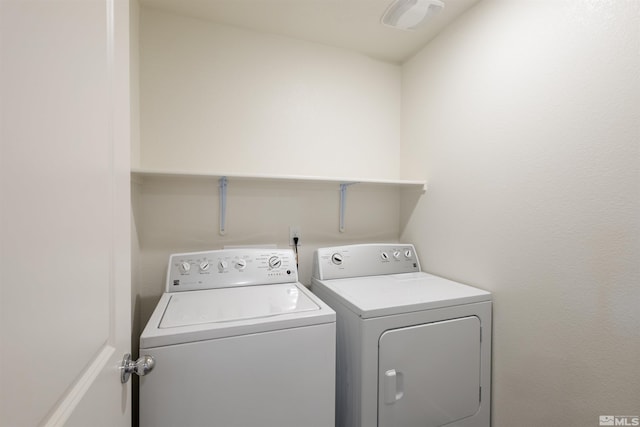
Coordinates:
315	111
521	116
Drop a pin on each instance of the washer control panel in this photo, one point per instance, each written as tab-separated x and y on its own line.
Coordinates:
230	268
364	260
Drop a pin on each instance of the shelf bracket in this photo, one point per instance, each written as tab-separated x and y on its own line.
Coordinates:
222	193
343	200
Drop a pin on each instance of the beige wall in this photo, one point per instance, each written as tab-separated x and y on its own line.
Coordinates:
525	119
181	215
222	99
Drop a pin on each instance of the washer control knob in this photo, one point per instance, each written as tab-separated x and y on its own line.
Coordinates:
336	258
222	265
408	254
275	262
240	264
384	256
204	266
396	254
185	267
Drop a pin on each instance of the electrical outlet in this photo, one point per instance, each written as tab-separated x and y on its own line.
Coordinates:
294	231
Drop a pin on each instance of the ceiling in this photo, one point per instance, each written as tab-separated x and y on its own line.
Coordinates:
350	24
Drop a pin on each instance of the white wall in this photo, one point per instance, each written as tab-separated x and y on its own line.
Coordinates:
525	119
223	99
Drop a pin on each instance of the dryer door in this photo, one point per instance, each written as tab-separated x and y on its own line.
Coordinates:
429	375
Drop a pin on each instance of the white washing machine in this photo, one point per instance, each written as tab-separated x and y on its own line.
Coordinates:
413	349
238	342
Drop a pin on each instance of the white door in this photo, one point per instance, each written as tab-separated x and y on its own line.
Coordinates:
64	224
429	375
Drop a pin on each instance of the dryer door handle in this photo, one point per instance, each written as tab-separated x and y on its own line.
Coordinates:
393	386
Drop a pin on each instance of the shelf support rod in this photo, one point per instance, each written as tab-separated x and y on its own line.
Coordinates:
222	193
343	201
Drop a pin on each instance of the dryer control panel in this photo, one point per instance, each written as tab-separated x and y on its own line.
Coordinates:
375	259
230	268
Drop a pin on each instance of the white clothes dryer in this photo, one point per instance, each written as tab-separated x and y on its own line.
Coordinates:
413	349
238	342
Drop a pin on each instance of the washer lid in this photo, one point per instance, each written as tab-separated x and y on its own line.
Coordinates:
375	296
229	304
191	316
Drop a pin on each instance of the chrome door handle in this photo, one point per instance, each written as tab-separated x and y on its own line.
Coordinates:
141	367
